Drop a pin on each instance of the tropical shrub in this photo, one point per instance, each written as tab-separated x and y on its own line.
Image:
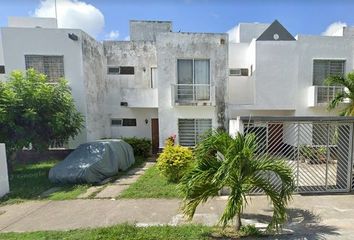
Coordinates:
35	113
141	146
174	162
346	96
223	161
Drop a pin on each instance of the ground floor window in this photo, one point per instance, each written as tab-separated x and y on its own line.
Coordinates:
190	131
125	122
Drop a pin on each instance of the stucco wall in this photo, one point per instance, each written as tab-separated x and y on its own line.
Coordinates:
17	42
140	54
283	74
141	130
2	76
32	22
276	75
241	88
4	179
319	47
133	89
147	30
173	46
95	87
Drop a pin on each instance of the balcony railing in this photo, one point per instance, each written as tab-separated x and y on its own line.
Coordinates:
193	94
319	95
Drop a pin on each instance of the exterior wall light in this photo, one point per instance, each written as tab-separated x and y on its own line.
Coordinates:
73	36
146	121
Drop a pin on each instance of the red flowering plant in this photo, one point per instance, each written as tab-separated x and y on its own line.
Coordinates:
170	141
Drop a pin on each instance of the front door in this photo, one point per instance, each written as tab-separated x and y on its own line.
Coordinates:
155	135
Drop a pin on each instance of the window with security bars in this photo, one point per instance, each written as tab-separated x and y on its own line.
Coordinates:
322	69
190	131
52	66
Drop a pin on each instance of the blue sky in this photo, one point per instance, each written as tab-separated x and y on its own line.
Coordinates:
302	16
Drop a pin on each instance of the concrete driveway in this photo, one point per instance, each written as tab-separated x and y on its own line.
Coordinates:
310	217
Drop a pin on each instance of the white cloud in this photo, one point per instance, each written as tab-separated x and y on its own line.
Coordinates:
335	29
112	35
73	14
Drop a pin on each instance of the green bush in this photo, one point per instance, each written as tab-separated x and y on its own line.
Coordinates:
141	146
174	162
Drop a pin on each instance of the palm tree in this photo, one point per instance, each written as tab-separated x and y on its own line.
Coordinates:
223	161
344	96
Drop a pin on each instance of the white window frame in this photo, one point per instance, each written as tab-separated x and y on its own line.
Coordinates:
327	59
235	69
193	67
122	122
195	129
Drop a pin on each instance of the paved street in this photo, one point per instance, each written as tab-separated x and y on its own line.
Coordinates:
312	217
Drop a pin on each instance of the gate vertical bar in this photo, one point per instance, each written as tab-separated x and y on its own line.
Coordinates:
327	157
298	155
350	178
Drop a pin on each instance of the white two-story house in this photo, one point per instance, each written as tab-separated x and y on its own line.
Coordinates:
162	83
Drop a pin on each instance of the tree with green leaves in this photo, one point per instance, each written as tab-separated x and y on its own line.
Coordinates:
35	112
343	96
223	161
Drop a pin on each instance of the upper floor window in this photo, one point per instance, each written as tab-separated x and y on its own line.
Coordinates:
122	70
238	71
2	69
52	66
193	71
322	69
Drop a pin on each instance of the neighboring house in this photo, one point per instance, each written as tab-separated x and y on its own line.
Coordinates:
162	83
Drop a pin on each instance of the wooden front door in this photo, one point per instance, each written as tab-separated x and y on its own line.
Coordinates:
155	135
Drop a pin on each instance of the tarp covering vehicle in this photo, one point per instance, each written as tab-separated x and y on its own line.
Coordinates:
93	162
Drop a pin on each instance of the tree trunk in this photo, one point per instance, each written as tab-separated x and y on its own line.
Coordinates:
238	223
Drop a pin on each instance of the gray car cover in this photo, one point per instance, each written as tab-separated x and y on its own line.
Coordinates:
93	162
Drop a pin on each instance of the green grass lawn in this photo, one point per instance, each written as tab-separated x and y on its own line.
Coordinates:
27	182
120	232
131	232
151	185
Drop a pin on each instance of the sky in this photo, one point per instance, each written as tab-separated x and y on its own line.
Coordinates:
109	19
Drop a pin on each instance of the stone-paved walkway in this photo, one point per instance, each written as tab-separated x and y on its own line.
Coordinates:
114	189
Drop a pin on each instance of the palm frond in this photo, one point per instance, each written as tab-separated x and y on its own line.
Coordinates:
223	161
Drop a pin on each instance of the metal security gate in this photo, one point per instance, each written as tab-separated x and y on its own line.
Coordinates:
319	150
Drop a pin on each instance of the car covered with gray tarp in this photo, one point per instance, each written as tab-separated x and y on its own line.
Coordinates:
93	162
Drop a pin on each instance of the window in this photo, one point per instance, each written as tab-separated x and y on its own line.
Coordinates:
322	69
190	131
129	122
123	70
238	71
125	122
193	79
2	69
153	83
113	70
116	122
52	66
126	70
193	71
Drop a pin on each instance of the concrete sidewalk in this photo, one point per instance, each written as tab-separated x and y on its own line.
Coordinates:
312	217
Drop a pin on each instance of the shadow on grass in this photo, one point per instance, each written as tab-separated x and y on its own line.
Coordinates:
304	224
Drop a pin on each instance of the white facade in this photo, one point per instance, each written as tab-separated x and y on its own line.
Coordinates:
121	87
4	178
